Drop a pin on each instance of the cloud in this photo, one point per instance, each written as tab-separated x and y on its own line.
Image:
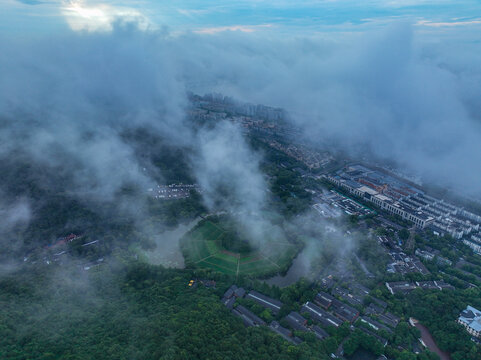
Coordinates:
225	165
31	2
449	23
241	28
67	103
82	16
395	94
392	93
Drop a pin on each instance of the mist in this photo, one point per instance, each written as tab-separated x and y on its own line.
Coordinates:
393	94
66	103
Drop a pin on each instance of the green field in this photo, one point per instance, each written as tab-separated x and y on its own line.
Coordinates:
202	247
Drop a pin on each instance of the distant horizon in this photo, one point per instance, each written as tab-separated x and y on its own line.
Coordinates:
299	18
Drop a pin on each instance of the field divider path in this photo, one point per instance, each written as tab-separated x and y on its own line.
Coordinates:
211	255
220	266
265	257
237	272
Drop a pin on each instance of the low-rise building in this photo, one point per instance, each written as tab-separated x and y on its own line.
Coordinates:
377	337
285	333
475	246
230	292
389	319
434	285
247	316
320	315
323	299
345	294
228	302
321	334
239	292
265	301
470	318
400	287
297	321
374	324
344	312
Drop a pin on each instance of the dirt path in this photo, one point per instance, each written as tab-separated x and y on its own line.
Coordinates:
429	341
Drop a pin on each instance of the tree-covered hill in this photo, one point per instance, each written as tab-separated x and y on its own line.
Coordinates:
136	312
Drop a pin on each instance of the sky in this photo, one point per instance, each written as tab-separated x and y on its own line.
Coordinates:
208	16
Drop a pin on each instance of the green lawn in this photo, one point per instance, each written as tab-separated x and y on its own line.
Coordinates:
202	246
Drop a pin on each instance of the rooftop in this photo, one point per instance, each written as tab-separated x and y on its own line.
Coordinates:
320	315
265	301
323	299
471	317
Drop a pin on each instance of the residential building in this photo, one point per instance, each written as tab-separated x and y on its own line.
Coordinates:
323	299
400	287
470	318
285	333
320	315
265	301
297	321
247	316
344	312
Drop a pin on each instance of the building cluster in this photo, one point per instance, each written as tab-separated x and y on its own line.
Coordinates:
470	318
173	191
260	119
251	319
327	309
57	251
403	264
331	203
339	312
431	254
410	203
220	103
400	262
63	240
311	158
405	287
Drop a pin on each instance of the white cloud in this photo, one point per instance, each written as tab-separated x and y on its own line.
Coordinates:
449	23
241	28
81	16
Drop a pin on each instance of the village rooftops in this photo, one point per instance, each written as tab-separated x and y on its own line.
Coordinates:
428	285
402	287
380	302
265	301
297	321
228	302
359	289
230	291
347	296
234	291
320	315
373	309
374	324
320	333
247	316
377	337
285	333
343	311
389	319
239	292
323	299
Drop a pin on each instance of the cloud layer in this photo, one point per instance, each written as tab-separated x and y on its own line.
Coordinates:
67	100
